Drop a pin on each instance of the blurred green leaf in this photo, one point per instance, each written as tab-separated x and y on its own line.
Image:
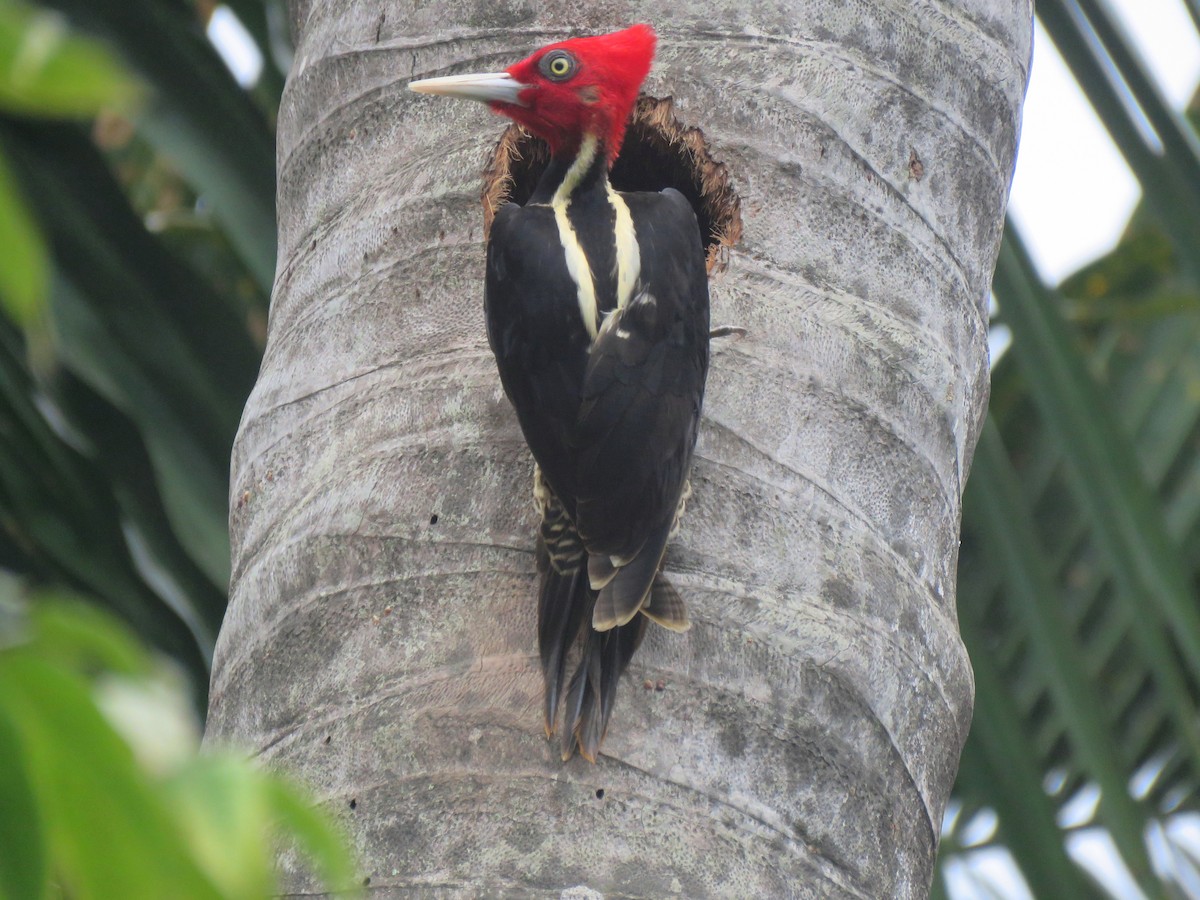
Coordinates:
185	388
1072	587
119	453
1129	281
79	637
192	482
63	523
1098	403
23	864
45	70
235	815
77	808
1180	152
1006	527
997	770
197	116
1124	514
25	275
226	823
109	835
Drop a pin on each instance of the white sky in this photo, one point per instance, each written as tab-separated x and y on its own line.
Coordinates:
1072	194
235	45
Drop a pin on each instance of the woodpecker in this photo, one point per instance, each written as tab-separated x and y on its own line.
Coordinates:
596	303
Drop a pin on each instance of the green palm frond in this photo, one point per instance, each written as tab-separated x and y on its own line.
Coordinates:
1078	575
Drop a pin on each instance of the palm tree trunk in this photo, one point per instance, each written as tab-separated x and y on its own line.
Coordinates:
802	738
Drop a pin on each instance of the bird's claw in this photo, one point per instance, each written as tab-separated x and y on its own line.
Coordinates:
728	331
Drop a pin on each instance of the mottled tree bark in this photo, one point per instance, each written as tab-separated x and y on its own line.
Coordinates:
380	639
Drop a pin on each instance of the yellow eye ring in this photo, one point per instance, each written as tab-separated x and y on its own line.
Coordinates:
558	65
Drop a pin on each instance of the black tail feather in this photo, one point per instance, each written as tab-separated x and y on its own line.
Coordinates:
618	649
564	601
593	690
581	695
566	605
573	709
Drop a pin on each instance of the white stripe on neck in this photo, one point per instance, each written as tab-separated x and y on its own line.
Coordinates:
577	264
629	256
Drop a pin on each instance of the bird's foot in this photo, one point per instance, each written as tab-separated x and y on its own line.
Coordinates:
721	331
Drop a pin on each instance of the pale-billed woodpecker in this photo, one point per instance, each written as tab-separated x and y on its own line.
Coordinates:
597	312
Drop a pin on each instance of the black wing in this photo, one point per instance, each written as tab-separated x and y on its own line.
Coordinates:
537	336
640	409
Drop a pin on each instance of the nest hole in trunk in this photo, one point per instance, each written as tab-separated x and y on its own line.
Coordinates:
658	152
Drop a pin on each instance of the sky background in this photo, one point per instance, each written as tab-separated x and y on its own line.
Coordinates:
1072	194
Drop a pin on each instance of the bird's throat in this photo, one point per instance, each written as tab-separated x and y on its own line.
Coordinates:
569	174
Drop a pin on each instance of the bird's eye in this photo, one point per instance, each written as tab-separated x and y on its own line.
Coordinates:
558	65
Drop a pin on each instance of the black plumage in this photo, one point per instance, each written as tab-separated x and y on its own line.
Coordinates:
611	420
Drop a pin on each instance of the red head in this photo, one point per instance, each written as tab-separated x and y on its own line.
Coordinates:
567	90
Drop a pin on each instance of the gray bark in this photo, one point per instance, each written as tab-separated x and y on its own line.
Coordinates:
808	731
